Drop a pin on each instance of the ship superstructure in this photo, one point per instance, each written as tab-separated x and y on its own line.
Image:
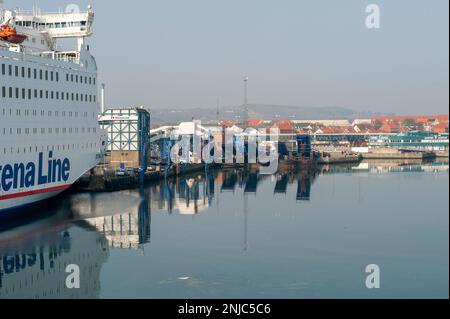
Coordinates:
420	141
49	134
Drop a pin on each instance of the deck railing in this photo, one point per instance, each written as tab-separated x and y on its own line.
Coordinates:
69	56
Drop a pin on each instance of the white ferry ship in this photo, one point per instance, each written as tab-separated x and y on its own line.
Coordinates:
49	134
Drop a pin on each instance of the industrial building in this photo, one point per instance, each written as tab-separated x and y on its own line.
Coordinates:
128	132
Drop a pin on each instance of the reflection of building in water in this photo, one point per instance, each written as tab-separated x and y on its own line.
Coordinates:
244	179
184	196
35	267
229	181
192	195
390	166
304	189
121	231
129	229
304	180
251	182
281	185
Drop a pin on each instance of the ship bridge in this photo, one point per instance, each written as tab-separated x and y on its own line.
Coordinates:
58	25
51	26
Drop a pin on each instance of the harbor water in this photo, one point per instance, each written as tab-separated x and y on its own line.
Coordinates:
236	233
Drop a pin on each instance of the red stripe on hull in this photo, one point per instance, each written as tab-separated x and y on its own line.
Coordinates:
36	192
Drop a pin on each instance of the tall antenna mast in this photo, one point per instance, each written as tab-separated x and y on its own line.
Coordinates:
218	110
245	99
1	10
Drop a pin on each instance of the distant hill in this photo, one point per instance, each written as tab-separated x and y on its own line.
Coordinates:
260	111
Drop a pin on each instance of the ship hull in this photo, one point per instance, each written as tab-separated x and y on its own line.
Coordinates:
20	198
26	202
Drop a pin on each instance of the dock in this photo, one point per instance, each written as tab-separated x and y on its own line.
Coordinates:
398	154
339	158
100	179
443	154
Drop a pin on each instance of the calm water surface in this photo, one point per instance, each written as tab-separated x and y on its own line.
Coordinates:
238	234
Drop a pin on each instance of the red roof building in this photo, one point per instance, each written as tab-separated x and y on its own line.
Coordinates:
226	123
286	127
254	123
423	119
390	127
440	128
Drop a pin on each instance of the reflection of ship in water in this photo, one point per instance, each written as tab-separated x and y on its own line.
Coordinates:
33	264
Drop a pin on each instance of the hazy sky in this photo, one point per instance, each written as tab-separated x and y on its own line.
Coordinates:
186	53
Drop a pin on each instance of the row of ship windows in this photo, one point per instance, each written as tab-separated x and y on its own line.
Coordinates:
35	113
44	74
50	130
10	92
36	149
56	25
